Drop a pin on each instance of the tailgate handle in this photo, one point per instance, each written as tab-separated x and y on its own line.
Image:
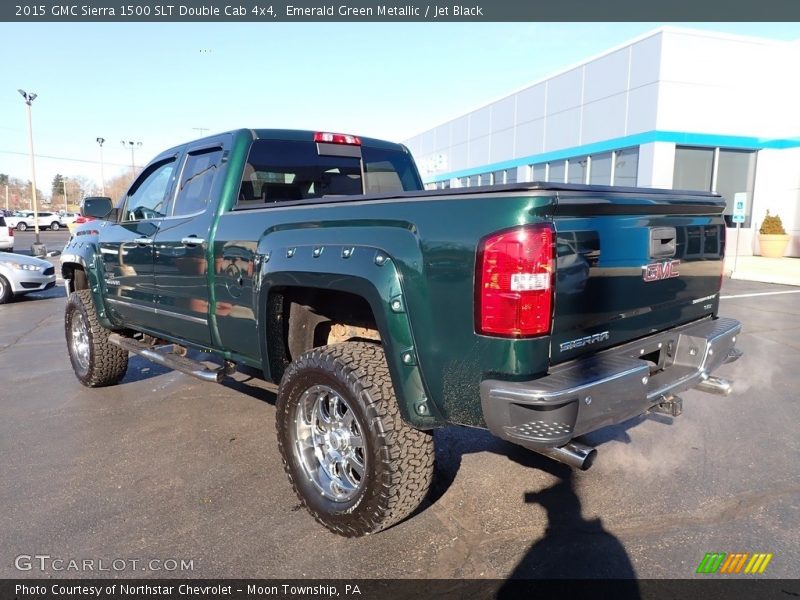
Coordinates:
662	242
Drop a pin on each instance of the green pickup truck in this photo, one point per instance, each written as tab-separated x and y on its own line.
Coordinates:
540	311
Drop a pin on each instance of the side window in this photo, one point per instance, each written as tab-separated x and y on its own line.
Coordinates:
197	178
147	197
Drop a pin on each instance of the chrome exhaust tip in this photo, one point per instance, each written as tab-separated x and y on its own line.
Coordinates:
716	385
573	454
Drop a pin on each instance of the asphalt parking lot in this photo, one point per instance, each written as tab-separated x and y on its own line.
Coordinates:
164	467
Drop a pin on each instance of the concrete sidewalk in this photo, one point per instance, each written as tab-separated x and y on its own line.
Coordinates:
784	271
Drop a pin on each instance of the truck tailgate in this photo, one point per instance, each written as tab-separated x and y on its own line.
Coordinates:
632	264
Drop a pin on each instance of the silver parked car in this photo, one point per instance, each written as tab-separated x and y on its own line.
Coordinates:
23	274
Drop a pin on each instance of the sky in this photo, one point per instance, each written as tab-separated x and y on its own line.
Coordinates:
162	84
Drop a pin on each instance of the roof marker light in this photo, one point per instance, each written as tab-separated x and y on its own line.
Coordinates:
336	138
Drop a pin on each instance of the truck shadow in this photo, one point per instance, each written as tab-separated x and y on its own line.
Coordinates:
573	547
247	380
140	369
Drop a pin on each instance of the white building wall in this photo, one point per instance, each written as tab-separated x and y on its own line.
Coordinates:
671	87
778	189
719	84
656	164
609	97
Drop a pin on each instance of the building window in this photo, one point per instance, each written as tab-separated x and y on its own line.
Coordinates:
558	171
473	181
577	170
601	169
736	173
626	166
693	168
733	172
485	179
539	172
463	182
505	176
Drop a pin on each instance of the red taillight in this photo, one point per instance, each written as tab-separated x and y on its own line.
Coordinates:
336	138
514	279
11	231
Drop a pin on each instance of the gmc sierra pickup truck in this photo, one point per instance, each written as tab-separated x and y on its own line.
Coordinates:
540	311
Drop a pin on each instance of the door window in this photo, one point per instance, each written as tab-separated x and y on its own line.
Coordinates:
197	178
147	197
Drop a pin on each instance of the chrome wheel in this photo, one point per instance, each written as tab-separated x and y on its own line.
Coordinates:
79	341
328	443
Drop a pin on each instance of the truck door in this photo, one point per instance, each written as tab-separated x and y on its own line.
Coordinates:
181	247
127	245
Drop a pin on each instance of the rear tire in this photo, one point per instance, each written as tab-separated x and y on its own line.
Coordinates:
5	290
96	361
55	226
21	226
351	459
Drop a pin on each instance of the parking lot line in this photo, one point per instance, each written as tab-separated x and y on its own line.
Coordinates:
759	294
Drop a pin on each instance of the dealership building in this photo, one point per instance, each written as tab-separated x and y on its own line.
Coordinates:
675	108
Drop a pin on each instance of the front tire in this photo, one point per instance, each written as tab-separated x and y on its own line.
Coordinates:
22	226
351	459
96	361
54	226
5	290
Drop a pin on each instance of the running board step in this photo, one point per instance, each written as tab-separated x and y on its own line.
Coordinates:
173	361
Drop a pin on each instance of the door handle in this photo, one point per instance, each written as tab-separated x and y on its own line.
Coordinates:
192	241
662	242
143	241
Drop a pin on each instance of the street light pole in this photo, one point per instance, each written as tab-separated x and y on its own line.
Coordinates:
37	249
64	181
102	174
132	146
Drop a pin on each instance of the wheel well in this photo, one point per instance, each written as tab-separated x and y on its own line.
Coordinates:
76	275
299	319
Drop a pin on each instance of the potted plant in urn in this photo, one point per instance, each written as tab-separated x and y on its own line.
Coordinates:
772	237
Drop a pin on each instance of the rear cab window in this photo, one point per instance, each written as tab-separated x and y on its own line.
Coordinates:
291	170
196	181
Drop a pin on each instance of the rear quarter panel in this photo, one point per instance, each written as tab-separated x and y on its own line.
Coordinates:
430	244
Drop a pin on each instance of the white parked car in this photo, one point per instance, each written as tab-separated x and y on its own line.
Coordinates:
24	220
21	274
50	220
6	235
20	220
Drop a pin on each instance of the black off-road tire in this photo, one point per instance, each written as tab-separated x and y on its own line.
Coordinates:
399	458
104	364
5	290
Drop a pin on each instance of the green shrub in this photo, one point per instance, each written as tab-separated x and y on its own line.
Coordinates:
772	225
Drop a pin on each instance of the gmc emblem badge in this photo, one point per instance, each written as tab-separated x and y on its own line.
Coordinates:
661	270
